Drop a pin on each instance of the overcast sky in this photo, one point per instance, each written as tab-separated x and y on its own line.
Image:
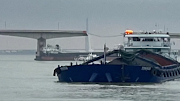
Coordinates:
106	17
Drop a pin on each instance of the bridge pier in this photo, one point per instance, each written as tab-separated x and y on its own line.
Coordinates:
41	42
42	36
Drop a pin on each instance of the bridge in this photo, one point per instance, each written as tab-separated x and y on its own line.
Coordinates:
42	35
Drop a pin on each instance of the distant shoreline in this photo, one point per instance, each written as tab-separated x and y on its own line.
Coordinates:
17	52
33	52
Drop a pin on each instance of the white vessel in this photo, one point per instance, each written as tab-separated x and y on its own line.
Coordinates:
157	42
51	49
85	57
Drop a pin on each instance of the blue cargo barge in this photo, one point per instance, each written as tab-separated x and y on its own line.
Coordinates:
144	58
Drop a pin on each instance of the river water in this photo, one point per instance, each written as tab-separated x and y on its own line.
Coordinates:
23	79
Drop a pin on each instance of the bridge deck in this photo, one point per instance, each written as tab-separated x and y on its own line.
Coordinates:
46	34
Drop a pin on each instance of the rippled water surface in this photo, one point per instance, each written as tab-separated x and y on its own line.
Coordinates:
23	79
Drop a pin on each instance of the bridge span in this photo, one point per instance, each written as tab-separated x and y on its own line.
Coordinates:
42	35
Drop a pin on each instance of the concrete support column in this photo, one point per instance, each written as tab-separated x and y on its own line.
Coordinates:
41	42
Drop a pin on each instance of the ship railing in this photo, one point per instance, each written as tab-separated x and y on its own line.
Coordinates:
171	66
100	57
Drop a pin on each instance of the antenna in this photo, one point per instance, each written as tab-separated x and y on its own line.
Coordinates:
105	49
156	26
87	26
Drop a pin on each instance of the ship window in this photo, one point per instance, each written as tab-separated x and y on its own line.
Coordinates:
156	39
129	39
165	40
136	39
148	39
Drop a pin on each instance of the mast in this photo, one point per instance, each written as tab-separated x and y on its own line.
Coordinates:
105	49
87	42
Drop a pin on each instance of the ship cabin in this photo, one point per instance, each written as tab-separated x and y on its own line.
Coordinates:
51	49
155	42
